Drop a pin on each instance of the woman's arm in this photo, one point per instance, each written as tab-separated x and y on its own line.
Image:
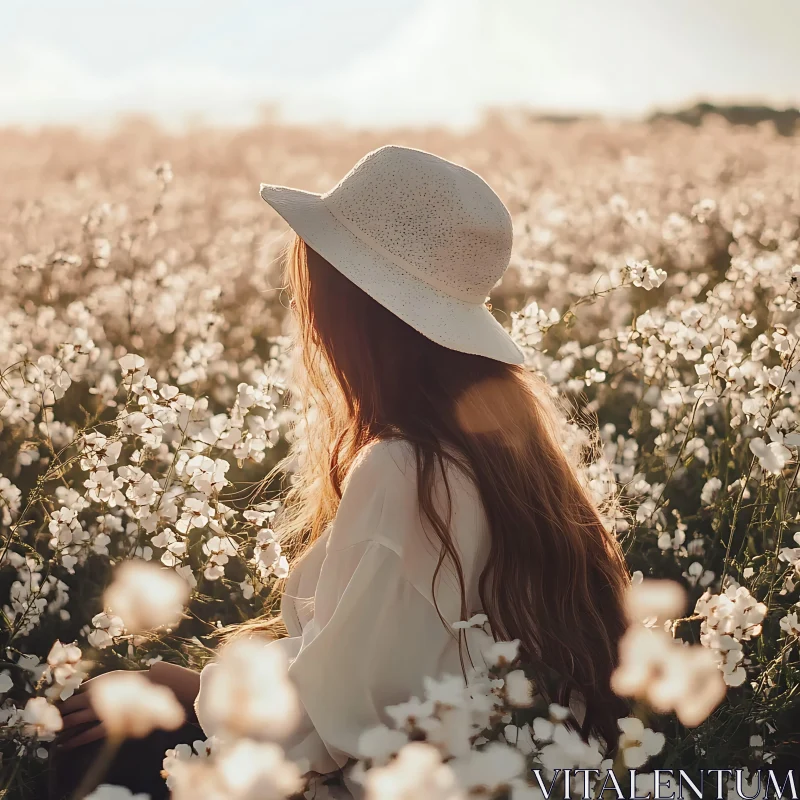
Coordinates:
81	724
184	682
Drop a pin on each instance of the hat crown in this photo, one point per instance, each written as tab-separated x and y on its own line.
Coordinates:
437	220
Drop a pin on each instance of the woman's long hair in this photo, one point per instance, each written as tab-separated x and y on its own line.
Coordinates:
555	576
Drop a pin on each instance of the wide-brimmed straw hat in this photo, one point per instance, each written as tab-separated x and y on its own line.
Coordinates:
426	238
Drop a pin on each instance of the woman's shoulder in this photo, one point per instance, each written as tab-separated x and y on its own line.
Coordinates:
392	458
390	465
396	458
381	504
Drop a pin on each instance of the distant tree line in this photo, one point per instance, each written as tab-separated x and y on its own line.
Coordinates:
785	120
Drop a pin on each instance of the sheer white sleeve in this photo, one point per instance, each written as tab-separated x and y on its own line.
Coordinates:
375	631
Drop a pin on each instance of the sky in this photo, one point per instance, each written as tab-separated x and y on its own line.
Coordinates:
384	62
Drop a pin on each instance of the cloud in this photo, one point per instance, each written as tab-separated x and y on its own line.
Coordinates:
444	63
39	84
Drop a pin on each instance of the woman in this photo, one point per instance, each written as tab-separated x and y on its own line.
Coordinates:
433	484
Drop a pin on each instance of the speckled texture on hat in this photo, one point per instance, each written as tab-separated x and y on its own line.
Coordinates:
426	238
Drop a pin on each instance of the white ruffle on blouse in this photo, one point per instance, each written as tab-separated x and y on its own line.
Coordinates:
359	608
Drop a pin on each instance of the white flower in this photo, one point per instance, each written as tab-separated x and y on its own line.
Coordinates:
417	772
558	712
476	621
791	624
218	549
41	719
668	675
259	515
529	326
519	690
729	654
143	489
267	556
107	627
638	743
128	704
65	670
567	750
65	528
735	612
145	596
787	439
710	489
246	396
791	555
175	547
207	475
105	488
98	451
245	770
380	743
449	690
772	456
645	275
695	574
408	714
489	769
521	738
10	499
499	654
148	429
654	601
131	363
543	729
50	379
247	692
175	758
196	514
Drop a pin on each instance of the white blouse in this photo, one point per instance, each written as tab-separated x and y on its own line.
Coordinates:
359	608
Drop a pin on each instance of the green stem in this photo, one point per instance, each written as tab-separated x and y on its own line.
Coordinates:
98	769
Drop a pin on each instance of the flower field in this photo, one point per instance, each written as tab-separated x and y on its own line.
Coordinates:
145	391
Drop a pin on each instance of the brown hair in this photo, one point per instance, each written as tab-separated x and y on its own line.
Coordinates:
555	576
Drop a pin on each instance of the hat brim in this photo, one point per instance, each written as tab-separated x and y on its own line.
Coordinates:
450	322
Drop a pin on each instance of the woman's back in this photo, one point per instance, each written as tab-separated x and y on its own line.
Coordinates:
385	477
365	623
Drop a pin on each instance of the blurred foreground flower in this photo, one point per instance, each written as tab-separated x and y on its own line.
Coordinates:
129	705
145	596
106	791
417	772
490	770
245	770
651	602
247	692
669	675
181	754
